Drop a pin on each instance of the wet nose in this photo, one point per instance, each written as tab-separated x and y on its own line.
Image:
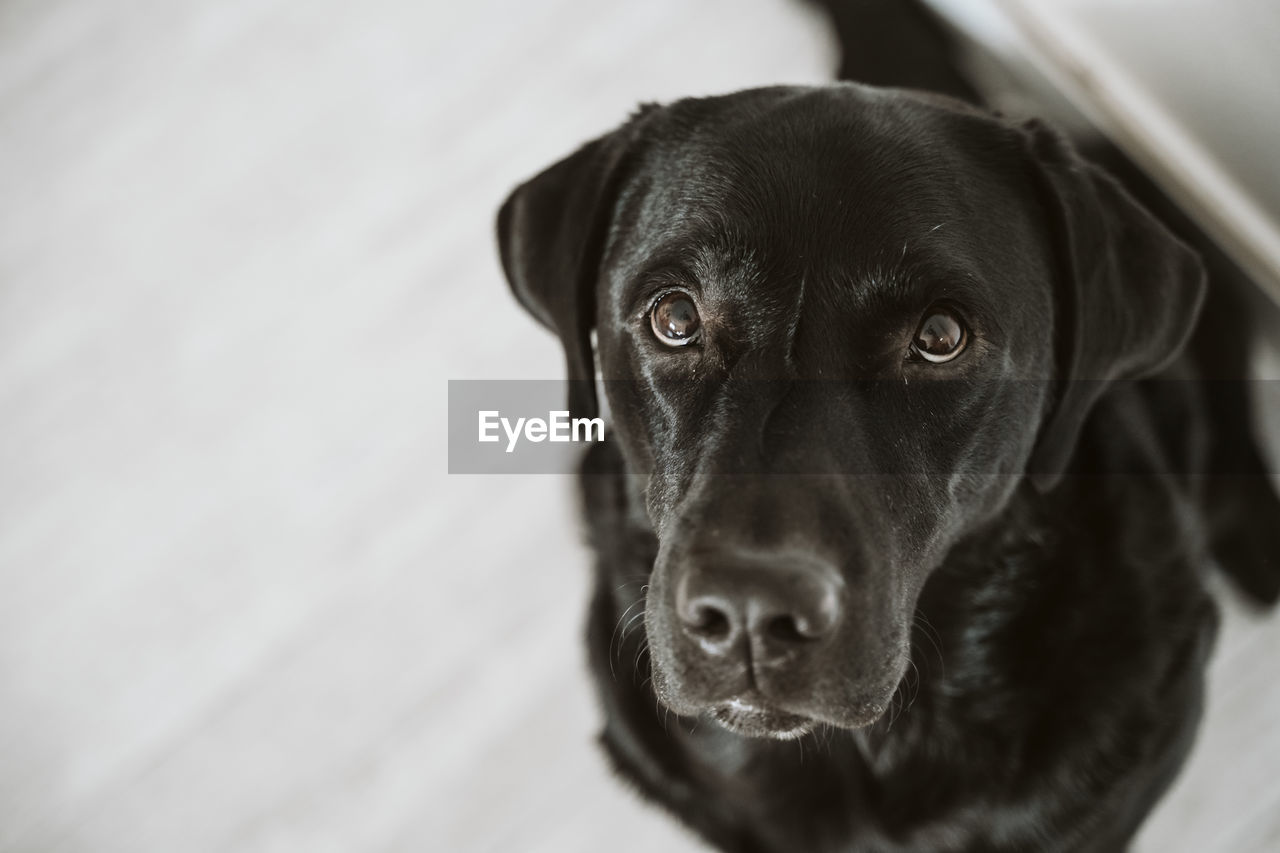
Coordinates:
777	608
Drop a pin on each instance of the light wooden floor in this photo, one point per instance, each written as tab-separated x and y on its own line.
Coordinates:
242	607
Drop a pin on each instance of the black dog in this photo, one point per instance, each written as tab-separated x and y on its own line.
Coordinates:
883	476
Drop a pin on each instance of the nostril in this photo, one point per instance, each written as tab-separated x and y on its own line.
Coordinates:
790	628
787	629
708	620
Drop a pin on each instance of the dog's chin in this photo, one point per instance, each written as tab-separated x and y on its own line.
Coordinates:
753	719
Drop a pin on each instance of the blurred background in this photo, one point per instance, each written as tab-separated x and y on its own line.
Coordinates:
243	247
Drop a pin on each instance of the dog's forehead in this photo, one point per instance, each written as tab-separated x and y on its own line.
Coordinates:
796	183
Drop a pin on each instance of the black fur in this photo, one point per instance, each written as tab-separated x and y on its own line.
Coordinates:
1011	545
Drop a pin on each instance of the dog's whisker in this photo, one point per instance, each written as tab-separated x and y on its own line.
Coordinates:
631	623
935	640
915	687
618	639
641	653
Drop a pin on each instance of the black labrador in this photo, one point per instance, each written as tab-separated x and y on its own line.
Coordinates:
910	462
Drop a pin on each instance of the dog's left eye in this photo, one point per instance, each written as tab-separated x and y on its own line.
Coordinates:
940	337
674	319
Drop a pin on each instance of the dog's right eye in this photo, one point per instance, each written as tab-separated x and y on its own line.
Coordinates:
940	337
674	319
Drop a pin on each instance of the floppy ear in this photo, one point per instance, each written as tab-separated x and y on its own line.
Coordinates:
551	235
1129	292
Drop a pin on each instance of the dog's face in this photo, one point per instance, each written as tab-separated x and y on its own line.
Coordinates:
826	318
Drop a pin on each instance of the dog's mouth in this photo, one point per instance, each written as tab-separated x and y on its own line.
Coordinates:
753	717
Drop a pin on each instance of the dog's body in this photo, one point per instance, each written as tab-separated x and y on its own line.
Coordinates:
969	583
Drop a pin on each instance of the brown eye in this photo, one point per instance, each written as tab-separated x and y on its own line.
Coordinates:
674	319
940	337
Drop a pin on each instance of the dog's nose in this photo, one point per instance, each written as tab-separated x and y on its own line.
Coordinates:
776	608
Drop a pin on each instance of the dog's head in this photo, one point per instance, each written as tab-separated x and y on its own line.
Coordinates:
838	327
